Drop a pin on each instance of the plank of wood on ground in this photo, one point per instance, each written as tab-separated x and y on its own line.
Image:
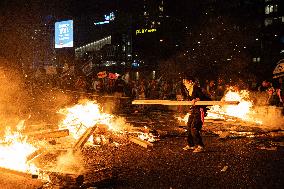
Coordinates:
85	137
184	103
20	173
141	142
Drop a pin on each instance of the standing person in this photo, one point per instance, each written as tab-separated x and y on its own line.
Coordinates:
211	89
196	117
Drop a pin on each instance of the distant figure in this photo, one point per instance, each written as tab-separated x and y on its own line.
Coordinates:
80	84
273	98
280	91
211	90
119	87
220	90
264	86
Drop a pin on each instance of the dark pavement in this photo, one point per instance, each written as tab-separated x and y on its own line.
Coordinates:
255	160
167	165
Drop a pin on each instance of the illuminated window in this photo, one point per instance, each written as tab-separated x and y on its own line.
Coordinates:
256	59
282	19
271	8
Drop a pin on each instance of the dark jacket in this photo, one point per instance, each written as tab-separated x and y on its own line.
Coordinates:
197	93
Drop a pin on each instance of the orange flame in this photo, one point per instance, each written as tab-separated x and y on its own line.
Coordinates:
85	115
14	150
242	111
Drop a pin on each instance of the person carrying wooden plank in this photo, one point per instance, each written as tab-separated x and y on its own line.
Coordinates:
196	117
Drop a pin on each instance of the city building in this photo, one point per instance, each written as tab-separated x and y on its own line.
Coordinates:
273	31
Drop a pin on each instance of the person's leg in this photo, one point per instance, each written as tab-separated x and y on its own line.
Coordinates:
195	131
197	139
196	126
190	143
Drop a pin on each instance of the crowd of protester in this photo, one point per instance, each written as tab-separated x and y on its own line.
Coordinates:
161	88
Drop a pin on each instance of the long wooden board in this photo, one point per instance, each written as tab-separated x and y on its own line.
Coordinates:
184	103
141	142
20	173
84	138
48	134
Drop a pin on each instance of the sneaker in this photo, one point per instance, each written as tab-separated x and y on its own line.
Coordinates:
189	147
199	149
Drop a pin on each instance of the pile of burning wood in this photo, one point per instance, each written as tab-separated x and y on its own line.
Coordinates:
80	151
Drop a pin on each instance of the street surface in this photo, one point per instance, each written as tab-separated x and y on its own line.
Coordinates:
253	159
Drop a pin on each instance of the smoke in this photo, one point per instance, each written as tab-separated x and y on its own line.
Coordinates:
270	117
27	99
70	162
13	98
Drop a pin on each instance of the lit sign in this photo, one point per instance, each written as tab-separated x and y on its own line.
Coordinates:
100	23
108	17
140	31
64	34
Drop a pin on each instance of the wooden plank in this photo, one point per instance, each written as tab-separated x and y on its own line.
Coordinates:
184	103
20	173
48	134
141	142
85	137
37	153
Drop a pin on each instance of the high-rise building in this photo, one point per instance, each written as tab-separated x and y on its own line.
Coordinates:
273	31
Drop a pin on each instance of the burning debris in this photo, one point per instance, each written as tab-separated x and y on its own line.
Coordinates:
62	156
244	111
240	120
16	147
81	148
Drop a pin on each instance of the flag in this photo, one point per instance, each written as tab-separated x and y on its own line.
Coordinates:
112	76
102	74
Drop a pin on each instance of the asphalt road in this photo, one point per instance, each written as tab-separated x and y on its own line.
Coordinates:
229	162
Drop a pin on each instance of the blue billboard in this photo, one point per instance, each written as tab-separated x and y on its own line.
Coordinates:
64	34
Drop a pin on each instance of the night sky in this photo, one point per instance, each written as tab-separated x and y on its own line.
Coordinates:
36	10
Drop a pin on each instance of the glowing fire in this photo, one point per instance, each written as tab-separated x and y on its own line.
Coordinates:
14	150
86	115
242	111
146	135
